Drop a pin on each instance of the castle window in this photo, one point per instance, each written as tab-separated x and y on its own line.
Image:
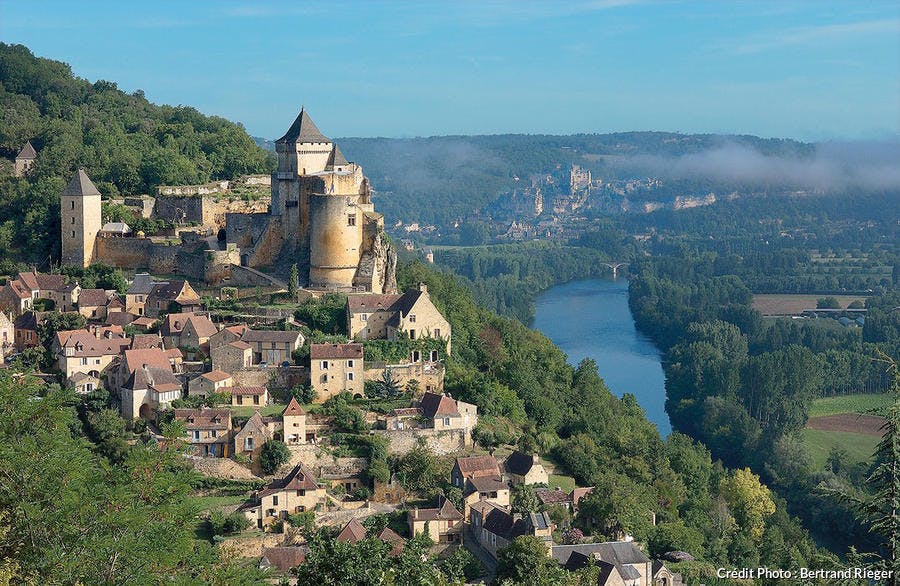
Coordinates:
351	219
73	205
73	219
73	233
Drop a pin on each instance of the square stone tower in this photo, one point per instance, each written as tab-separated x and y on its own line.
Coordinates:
81	219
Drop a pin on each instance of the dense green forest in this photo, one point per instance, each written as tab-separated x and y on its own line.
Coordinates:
126	144
529	395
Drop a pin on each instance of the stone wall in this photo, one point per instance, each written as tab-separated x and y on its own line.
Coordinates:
206	188
442	442
273	378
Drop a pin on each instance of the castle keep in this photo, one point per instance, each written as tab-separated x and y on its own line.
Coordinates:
321	216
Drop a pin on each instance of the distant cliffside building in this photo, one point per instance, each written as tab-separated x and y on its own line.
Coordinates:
25	160
81	220
322	209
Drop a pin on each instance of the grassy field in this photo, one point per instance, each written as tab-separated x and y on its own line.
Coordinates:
849	404
818	444
208	503
566	483
264	410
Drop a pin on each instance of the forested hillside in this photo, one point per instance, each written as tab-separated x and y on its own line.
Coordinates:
125	143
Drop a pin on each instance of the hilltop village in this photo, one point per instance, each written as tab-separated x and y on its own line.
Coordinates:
273	349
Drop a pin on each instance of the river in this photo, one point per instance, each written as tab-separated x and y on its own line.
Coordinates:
591	319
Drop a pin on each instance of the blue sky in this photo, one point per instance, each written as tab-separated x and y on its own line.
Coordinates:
801	69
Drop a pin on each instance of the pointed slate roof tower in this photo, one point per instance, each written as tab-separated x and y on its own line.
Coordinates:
81	184
304	130
27	152
336	158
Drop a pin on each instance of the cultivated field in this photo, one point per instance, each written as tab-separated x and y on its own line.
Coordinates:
846	422
777	304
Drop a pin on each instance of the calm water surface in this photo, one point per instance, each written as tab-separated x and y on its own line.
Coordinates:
591	319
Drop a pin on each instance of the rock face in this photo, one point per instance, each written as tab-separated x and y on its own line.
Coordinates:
386	260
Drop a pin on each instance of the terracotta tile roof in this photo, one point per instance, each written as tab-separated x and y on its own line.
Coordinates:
235	391
145	341
154	357
175	323
116	302
293	408
92	298
551	496
370	303
160	380
434	405
204	418
339	351
352	532
144	321
283	557
390	537
579	493
474	466
446	512
240	345
216	376
85	344
19	289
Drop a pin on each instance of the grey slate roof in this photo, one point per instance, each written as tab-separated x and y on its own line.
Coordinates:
142	284
81	184
336	158
27	152
619	553
519	463
303	130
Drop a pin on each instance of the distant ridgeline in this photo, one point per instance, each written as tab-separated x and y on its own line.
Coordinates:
126	144
465	173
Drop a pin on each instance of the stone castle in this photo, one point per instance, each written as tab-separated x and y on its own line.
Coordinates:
321	217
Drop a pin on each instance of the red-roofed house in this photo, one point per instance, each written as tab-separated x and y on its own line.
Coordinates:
335	369
258	396
293	419
146	382
87	352
446	413
297	492
353	532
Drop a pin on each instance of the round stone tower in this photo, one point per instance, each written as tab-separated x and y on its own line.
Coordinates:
335	240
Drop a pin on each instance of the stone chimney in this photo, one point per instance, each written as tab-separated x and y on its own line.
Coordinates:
416	514
423	287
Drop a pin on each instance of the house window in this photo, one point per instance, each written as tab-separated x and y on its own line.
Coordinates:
240	399
84	361
412	318
351	219
89	387
196	435
213	433
301	492
248	444
446	421
437	332
324	365
412	334
273	345
350	376
349	364
256	399
275	500
97	361
364	317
